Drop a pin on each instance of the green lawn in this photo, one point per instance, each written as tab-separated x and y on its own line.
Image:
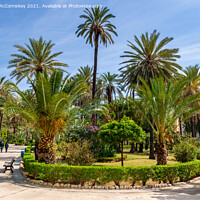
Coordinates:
138	159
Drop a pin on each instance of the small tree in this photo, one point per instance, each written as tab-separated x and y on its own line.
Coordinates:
120	131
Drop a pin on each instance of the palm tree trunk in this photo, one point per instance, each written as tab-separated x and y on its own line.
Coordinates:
141	148
109	96
94	118
151	156
187	123
193	126
198	124
161	154
46	151
1	121
136	147
132	148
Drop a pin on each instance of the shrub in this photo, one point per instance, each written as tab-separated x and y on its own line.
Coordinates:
198	154
107	151
79	153
185	151
102	175
62	148
110	159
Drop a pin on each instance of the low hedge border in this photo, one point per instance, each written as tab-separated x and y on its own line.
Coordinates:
95	176
110	159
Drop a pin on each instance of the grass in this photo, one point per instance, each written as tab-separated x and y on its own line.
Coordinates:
136	160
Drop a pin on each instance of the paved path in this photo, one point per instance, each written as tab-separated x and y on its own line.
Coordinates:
13	188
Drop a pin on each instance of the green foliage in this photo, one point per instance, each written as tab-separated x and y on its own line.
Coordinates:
148	58
97	25
102	175
107	151
79	153
34	58
110	159
165	104
185	151
62	147
125	129
198	154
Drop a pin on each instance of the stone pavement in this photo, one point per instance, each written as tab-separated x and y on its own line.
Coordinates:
12	187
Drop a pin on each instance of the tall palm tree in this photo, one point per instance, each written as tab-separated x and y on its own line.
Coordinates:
96	28
34	58
165	103
149	58
110	87
46	110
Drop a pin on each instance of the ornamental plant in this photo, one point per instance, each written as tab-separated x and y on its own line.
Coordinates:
119	131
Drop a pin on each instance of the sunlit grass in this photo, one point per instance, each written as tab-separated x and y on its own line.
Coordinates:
138	159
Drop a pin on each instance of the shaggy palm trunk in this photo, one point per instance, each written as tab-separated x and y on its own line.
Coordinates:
161	154
46	152
1	121
94	117
151	155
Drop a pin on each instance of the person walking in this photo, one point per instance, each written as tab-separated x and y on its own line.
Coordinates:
2	145
6	146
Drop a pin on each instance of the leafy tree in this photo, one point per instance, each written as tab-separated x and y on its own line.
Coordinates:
96	28
34	58
119	131
165	103
148	59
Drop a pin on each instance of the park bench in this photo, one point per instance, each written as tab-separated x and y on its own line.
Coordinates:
9	165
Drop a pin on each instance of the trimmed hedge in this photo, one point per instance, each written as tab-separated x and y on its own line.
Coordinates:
110	159
102	175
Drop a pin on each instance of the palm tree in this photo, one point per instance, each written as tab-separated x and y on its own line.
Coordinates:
148	59
85	73
1	102
96	28
34	58
109	82
45	110
4	95
192	75
165	103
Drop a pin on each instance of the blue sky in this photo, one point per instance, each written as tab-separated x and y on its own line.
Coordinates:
175	18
